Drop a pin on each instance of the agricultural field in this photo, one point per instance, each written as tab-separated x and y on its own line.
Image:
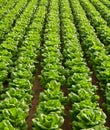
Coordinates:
55	65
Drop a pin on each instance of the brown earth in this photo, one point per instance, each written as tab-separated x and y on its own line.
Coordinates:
36	89
100	93
67	119
102	99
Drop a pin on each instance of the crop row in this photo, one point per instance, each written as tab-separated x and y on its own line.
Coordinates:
104	11
9	47
93	48
85	108
15	104
22	40
10	5
7	23
106	2
3	3
49	112
100	25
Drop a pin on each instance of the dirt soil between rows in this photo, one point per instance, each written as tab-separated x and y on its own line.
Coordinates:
67	119
37	89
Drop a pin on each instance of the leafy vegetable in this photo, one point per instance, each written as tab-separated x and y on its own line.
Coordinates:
51	121
88	118
47	107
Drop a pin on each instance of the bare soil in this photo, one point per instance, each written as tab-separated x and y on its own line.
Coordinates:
67	119
5	84
37	89
102	99
100	93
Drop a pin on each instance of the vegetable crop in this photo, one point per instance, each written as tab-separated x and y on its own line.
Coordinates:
82	92
54	64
